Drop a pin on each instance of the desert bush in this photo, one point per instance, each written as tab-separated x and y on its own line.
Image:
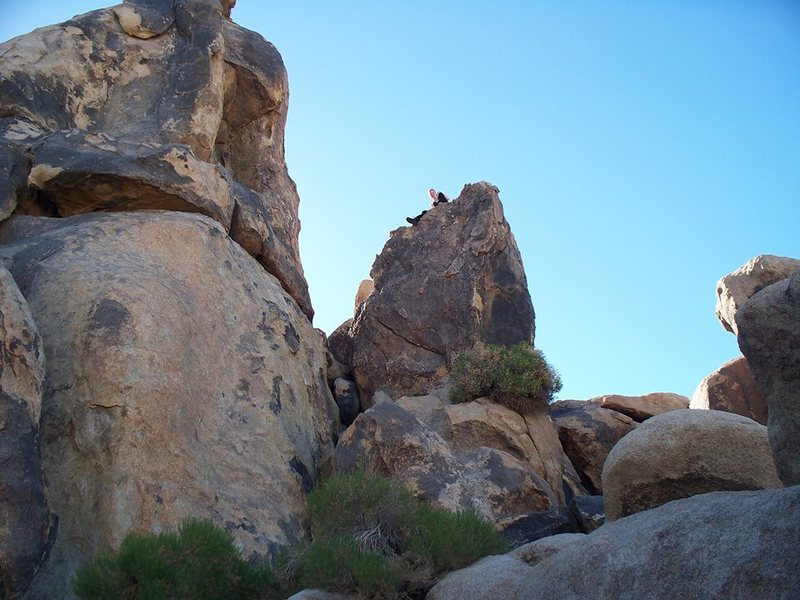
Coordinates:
199	561
453	540
518	376
373	538
340	563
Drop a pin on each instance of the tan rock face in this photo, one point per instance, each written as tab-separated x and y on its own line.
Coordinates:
640	408
683	453
25	521
731	388
531	438
734	289
454	279
182	380
393	441
154	106
588	432
365	288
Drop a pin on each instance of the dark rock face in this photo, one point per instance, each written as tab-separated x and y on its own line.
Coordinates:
153	105
26	526
589	511
769	337
454	279
735	545
539	525
731	388
588	432
346	395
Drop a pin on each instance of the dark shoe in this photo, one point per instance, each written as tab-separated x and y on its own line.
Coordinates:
413	221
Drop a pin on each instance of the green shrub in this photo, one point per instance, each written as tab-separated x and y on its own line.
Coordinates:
357	502
341	564
372	537
451	540
518	376
199	561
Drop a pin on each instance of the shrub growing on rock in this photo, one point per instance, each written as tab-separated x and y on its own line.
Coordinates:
199	561
372	537
518	376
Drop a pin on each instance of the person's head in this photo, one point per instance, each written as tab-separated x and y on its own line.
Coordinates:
432	193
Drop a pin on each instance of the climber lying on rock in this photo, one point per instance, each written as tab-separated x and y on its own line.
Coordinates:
437	197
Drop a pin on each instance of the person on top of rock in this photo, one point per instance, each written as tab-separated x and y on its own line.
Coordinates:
437	197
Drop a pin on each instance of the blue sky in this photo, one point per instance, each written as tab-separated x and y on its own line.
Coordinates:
642	151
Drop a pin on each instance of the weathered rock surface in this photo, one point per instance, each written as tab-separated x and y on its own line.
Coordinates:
640	408
459	269
588	432
734	289
683	453
537	551
733	545
182	380
209	100
531	438
731	388
769	337
391	440
25	521
488	579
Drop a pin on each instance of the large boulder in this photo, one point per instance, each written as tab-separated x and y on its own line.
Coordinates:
26	526
391	440
683	453
182	380
588	432
531	438
769	337
153	106
731	388
490	578
734	289
733	545
641	408
441	286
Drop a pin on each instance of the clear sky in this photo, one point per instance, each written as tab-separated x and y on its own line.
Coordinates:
642	151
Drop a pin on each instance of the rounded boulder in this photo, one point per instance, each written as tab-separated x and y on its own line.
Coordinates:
682	453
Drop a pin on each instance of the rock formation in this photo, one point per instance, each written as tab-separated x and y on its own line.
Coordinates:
588	432
483	580
641	408
26	525
499	485
153	106
181	381
734	289
683	453
769	337
453	280
734	545
150	223
731	388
